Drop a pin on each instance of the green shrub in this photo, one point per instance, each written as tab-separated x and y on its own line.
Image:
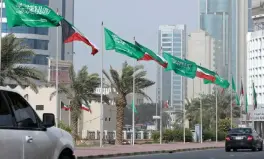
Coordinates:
175	135
221	136
64	127
208	135
224	125
168	135
155	136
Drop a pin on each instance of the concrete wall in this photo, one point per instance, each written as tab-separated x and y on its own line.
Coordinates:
91	121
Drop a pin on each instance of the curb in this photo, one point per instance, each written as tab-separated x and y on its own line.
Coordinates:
146	152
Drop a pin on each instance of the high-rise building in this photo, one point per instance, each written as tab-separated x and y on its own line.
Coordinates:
201	51
255	65
214	19
228	22
172	87
43	41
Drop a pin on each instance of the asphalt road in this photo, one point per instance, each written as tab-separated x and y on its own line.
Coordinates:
205	154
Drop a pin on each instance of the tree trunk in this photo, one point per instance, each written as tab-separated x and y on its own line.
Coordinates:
74	124
120	112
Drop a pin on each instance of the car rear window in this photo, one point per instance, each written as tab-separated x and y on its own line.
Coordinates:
240	131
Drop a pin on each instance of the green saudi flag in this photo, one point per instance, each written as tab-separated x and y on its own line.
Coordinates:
246	103
133	107
114	42
179	66
24	13
234	89
255	104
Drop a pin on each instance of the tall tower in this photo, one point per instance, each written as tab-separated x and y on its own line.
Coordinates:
214	19
172	87
228	21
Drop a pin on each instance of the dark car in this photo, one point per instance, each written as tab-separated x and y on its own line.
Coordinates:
243	138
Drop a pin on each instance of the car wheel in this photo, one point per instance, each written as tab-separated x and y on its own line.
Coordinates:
66	157
261	147
235	150
254	149
227	149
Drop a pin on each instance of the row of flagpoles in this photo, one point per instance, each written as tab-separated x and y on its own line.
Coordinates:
70	33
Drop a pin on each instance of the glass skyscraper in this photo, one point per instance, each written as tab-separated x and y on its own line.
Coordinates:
214	19
172	87
220	19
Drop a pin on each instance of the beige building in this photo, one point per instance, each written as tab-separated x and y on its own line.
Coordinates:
201	51
242	30
139	99
90	121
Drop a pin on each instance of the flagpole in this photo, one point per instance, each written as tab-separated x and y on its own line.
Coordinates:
69	117
161	101
216	115
133	106
157	101
201	113
231	106
60	110
102	107
241	100
57	75
1	15
183	105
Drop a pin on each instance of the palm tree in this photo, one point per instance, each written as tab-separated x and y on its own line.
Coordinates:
80	91
208	103
123	83
14	53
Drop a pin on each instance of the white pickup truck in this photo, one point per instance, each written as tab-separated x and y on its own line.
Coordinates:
24	136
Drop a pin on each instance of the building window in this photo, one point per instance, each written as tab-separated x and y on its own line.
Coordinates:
25	30
166	35
166	49
166	40
40	59
177	44
177	35
44	2
36	44
177	87
39	107
109	119
105	119
178	49
166	44
3	12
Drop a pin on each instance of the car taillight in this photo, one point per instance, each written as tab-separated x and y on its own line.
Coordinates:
227	138
250	138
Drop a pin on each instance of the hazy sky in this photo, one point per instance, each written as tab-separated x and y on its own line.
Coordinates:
128	18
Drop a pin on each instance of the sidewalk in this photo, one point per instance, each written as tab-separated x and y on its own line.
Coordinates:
128	150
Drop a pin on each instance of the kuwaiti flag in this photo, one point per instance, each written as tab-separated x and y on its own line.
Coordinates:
166	104
87	108
70	34
64	106
205	73
150	55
